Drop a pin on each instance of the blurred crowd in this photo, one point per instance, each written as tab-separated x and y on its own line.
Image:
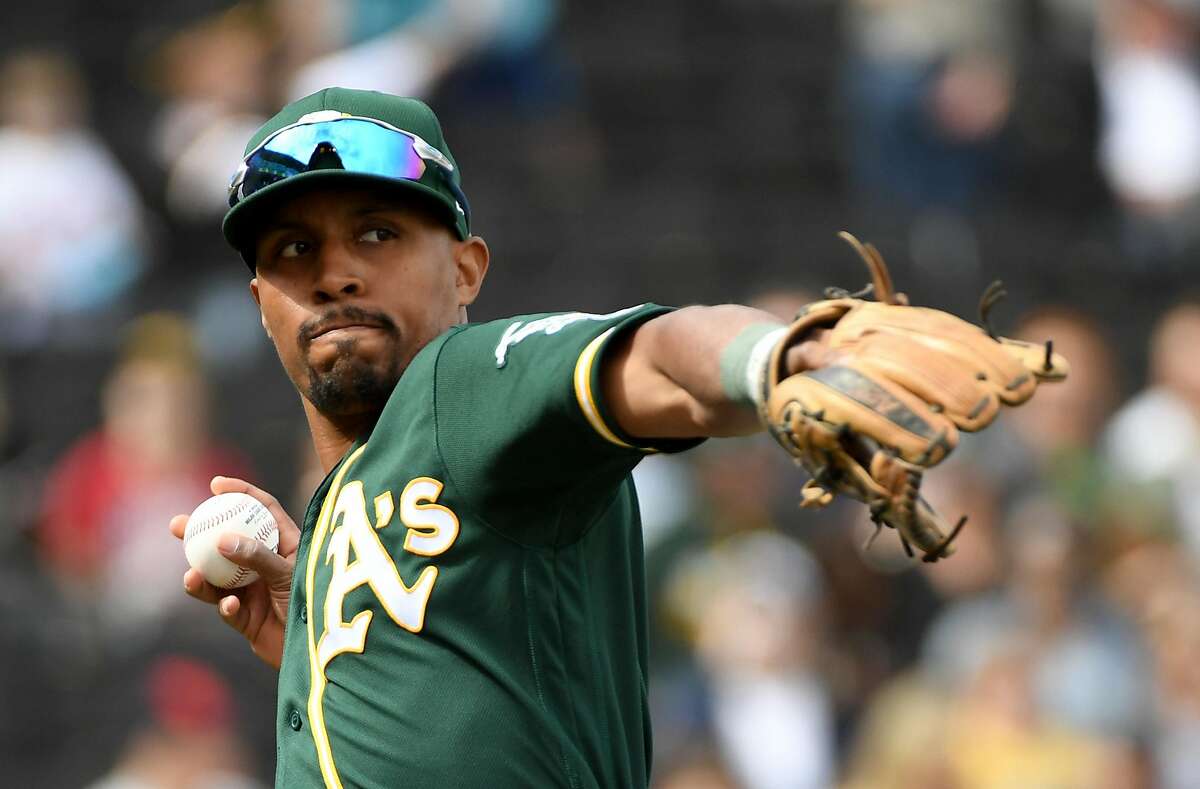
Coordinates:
1050	650
617	153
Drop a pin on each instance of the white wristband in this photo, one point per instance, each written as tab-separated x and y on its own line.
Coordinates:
756	365
744	363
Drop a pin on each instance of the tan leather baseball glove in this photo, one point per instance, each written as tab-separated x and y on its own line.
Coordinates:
900	383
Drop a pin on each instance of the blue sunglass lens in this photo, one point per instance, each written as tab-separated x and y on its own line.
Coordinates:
357	146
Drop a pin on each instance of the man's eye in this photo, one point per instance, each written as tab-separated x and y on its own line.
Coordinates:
293	249
377	234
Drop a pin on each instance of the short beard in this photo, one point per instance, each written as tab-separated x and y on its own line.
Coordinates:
352	385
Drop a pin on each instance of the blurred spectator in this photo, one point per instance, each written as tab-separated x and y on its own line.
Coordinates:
109	497
998	737
755	606
187	738
734	480
882	604
1172	622
215	77
925	731
401	47
1150	143
1075	642
986	733
1155	438
1052	441
69	218
930	89
1158	587
901	741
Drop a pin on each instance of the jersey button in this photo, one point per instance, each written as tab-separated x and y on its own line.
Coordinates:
303	613
294	721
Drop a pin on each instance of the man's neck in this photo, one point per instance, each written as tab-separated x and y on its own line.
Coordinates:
333	436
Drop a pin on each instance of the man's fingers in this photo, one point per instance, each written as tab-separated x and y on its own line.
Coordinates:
230	606
289	535
233	613
177	525
195	585
254	555
811	354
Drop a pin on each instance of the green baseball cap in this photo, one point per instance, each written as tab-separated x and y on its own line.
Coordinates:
440	182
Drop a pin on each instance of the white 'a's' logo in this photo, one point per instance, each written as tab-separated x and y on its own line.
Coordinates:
432	529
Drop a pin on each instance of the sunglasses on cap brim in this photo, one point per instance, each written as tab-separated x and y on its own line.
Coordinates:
354	144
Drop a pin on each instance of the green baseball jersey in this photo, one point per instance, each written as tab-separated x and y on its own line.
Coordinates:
468	605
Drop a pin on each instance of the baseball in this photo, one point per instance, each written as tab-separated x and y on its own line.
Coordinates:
237	513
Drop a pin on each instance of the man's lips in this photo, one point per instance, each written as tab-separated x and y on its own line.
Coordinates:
345	322
344	327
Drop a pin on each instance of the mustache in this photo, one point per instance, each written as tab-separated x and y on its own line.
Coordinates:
347	314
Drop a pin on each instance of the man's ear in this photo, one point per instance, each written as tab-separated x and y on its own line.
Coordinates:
471	257
258	301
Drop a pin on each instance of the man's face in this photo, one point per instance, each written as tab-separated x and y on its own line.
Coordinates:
352	283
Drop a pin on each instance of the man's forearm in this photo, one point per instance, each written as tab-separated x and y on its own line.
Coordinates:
666	380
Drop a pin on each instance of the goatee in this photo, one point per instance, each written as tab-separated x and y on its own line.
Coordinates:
352	385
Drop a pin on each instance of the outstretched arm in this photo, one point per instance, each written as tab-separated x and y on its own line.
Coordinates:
664	379
886	389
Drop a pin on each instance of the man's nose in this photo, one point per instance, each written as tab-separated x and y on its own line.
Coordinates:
339	275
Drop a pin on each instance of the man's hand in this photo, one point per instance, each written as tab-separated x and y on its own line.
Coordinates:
811	354
259	610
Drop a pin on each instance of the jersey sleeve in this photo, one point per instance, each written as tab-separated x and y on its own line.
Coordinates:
522	425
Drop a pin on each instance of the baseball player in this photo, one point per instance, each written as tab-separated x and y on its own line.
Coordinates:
462	603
